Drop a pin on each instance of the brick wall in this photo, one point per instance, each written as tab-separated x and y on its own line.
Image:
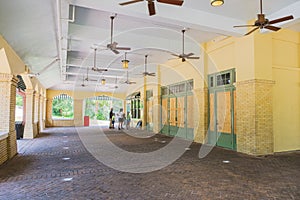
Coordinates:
3	151
254	120
7	115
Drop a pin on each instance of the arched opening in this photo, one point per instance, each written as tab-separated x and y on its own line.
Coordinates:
62	107
20	107
98	108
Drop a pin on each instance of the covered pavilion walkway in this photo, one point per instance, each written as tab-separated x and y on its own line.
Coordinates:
56	165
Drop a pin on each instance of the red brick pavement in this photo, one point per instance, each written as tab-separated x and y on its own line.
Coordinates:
46	169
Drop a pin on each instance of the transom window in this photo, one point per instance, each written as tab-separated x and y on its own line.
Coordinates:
219	79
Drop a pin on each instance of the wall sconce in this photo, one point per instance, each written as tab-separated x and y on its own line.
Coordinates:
216	2
103	81
125	62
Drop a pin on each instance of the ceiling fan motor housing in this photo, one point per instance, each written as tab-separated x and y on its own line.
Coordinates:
261	20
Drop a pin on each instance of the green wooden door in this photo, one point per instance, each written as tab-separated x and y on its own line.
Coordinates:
221	111
164	116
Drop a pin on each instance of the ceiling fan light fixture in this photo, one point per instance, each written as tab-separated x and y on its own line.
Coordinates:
103	81
125	63
216	3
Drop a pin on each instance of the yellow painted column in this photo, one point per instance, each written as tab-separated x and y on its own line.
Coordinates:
254	116
8	85
78	112
29	117
48	120
156	108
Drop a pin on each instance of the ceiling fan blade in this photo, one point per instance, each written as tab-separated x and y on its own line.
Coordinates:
188	55
173	2
243	26
151	8
129	2
193	57
272	28
173	54
115	51
281	19
252	31
99	69
152	74
123	48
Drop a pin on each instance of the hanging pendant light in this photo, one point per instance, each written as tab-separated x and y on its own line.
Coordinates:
216	2
125	62
103	81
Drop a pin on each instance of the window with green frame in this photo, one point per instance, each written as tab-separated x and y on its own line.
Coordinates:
221	79
186	86
135	105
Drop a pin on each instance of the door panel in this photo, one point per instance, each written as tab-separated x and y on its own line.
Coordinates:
173	116
149	115
221	119
190	117
164	117
180	117
212	136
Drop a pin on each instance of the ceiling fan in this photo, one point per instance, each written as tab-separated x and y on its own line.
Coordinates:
44	69
87	76
145	73
116	84
129	82
184	56
113	45
83	84
95	68
151	6
263	22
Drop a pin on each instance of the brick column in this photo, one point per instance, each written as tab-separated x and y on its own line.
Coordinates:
48	113
36	114
44	112
8	85
41	111
254	120
29	120
78	112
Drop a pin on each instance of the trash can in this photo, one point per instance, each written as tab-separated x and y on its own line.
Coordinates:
86	121
19	129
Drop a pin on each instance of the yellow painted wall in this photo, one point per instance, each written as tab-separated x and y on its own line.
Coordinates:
10	62
286	93
269	56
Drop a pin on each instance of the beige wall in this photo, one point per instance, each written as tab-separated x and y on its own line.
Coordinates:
286	106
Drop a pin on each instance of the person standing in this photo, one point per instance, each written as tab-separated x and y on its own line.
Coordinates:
121	119
111	113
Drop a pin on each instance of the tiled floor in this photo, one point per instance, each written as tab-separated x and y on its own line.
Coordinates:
56	165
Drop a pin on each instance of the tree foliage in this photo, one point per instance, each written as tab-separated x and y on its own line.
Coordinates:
19	100
62	108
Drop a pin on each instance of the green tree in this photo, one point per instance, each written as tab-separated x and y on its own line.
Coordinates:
62	108
19	100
